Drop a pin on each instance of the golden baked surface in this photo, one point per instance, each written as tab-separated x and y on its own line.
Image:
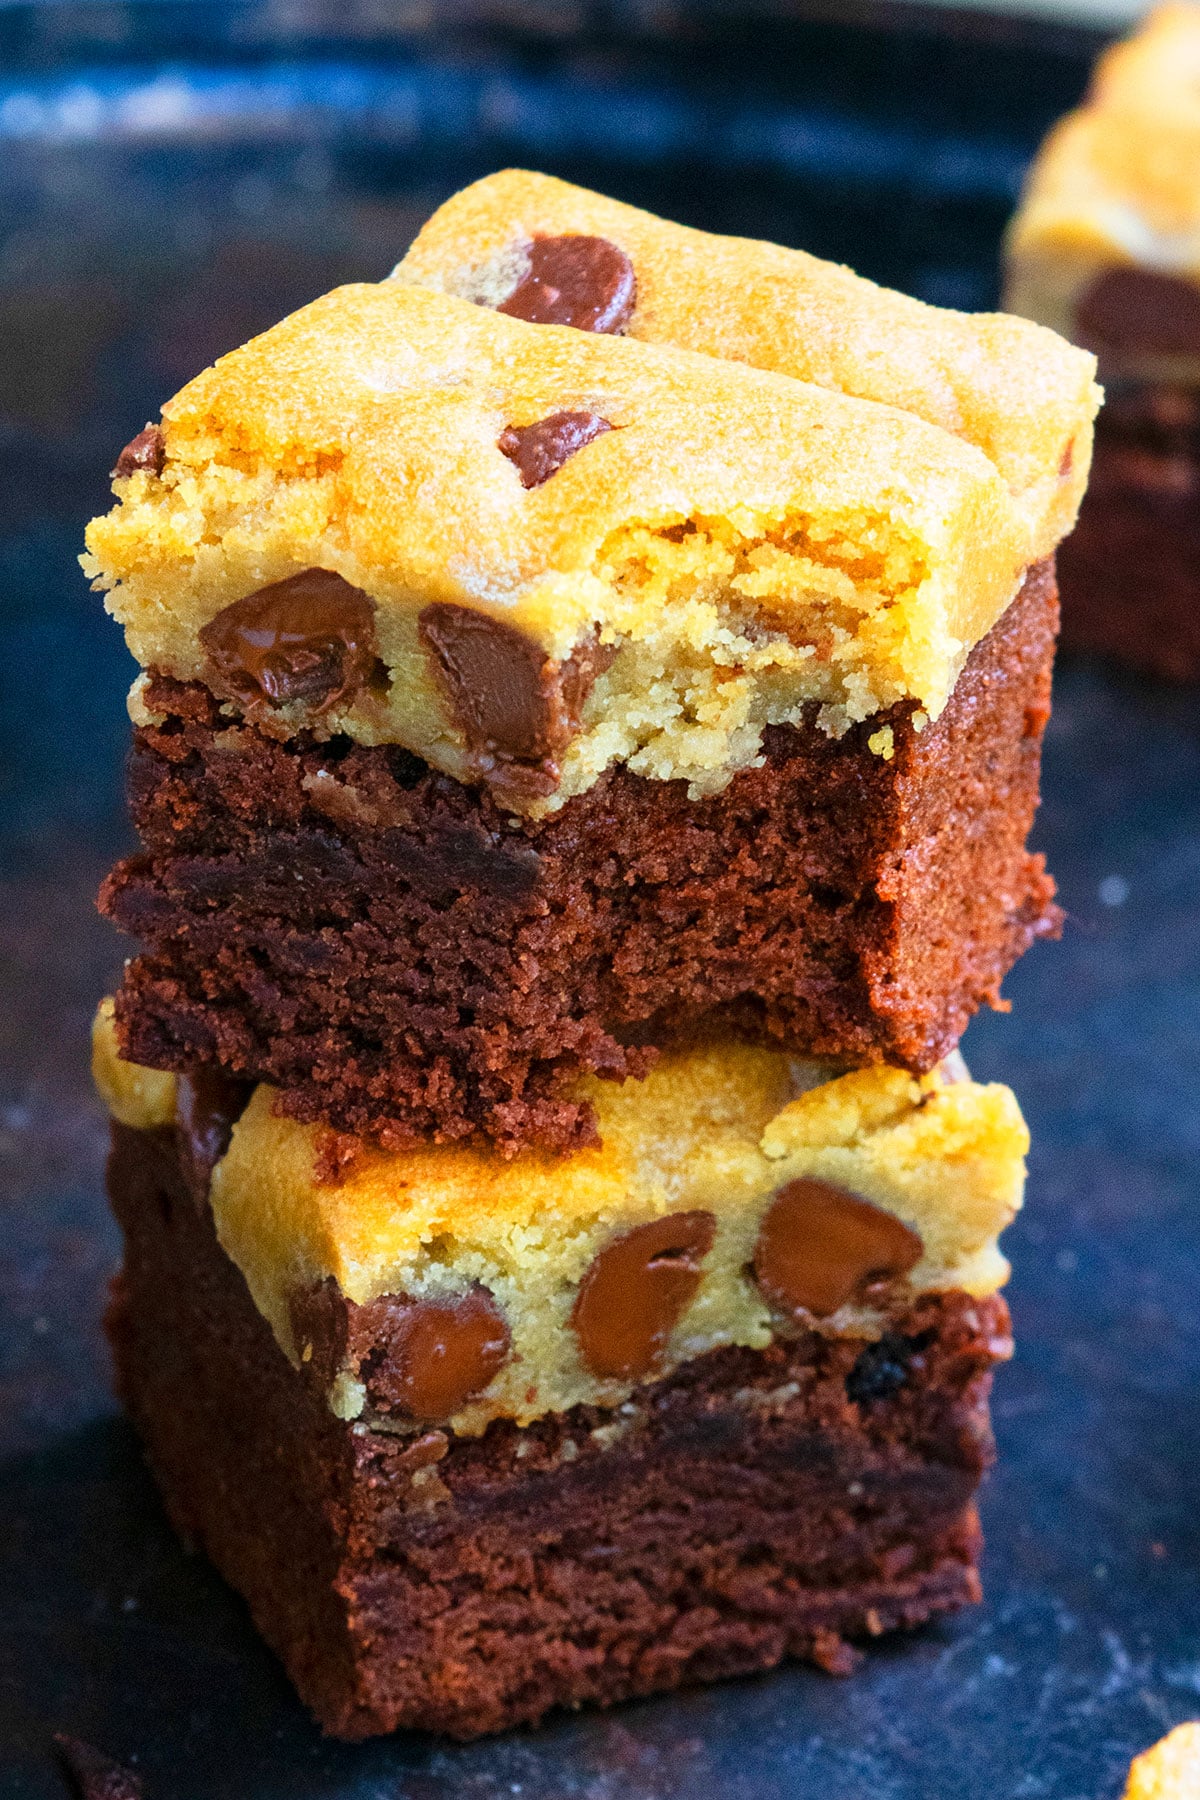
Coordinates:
1170	1770
720	1132
1117	185
1019	395
735	545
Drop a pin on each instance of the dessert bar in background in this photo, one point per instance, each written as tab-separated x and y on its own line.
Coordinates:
477	1438
1106	249
520	699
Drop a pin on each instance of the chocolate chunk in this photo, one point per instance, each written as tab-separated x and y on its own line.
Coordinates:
540	450
635	1292
819	1247
147	451
1127	312
516	707
208	1104
96	1776
309	639
429	1357
587	282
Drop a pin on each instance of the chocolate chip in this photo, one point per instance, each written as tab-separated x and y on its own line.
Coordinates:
208	1104
819	1247
1136	311
309	639
516	707
147	451
587	282
96	1776
540	450
429	1357
635	1292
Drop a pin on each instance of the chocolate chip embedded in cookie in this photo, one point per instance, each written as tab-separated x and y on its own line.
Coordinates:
586	282
539	451
820	1247
147	451
636	1291
432	1356
517	708
308	640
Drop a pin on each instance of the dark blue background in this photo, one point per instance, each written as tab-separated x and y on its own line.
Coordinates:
174	177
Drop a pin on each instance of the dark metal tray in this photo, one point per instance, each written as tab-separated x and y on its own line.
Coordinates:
174	177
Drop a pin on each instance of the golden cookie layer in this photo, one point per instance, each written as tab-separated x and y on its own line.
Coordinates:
717	1132
1021	396
1117	185
737	545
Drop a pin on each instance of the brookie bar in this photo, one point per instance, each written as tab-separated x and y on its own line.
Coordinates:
1106	249
520	696
479	1438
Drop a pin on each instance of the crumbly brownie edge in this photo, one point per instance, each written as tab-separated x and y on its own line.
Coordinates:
747	1511
383	945
1131	569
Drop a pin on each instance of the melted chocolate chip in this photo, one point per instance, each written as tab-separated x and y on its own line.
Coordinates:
587	282
539	451
819	1247
147	451
517	709
1136	311
309	639
208	1104
430	1357
635	1292
96	1776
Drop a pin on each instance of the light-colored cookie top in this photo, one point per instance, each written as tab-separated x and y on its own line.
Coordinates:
1022	396
1115	190
1170	1769
763	1193
527	552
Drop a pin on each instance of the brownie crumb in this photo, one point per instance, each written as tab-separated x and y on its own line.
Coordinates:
94	1775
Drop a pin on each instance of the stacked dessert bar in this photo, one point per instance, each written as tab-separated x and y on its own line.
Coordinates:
589	726
1106	249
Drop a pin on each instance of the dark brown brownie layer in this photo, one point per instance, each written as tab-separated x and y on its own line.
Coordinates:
756	1505
1130	571
406	960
